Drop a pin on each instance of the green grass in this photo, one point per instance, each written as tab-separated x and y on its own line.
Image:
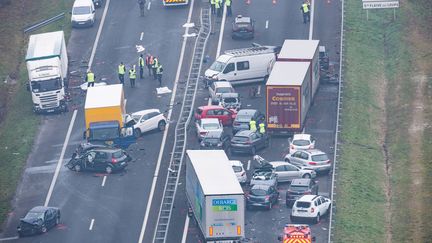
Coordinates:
19	125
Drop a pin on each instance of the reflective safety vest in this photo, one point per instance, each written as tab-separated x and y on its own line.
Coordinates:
305	8
228	3
261	128
252	125
141	61
159	69
132	74
155	63
217	4
213	2
90	77
121	69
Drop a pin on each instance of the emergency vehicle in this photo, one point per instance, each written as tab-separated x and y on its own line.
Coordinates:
174	2
296	233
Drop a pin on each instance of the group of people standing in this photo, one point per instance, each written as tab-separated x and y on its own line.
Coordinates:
217	5
150	62
253	126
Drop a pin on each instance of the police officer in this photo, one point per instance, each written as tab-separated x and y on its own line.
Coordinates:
132	76
252	125
261	128
90	78
149	63
228	5
159	72
306	12
141	64
121	72
218	8
154	66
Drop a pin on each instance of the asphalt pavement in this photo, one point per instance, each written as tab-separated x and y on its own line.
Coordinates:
101	208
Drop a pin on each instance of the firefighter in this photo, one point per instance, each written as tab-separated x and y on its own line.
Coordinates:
252	125
121	72
141	64
90	78
149	63
132	76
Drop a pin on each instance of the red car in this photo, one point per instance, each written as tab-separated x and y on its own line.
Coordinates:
225	116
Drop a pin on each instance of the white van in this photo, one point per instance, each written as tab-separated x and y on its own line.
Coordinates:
245	65
83	13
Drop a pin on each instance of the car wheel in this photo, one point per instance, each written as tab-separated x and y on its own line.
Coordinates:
108	169
44	229
307	176
317	218
77	168
137	132
253	150
161	125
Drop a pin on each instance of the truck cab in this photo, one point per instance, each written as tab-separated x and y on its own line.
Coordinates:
110	133
299	232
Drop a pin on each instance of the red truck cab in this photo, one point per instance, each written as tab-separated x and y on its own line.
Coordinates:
296	233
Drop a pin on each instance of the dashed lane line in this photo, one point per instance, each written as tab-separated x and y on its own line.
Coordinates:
91	224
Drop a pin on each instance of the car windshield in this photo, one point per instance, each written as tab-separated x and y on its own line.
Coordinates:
237	168
211	140
243	25
102	134
230	100
319	157
136	118
301	204
301	142
224	90
34	215
258	192
46	85
117	154
240	139
243	118
217	66
298	188
210	126
81	10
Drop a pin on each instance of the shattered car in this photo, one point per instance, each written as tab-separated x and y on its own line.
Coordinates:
264	175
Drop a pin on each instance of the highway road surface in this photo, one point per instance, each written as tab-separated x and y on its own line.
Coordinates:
123	207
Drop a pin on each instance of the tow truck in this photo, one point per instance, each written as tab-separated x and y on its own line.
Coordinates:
296	233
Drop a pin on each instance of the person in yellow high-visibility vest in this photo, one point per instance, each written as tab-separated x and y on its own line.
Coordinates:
90	78
252	126
305	8
213	6
218	8
261	128
228	5
121	72
141	64
132	76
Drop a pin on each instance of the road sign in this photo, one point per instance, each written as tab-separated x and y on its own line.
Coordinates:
374	4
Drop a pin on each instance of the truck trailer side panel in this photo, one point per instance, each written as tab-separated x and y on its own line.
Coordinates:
195	195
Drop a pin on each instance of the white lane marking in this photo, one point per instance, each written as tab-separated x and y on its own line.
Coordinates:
185	229
259	90
98	34
104	180
267	24
221	31
148	6
209	101
155	176
311	20
91	224
141	36
59	163
9	238
248	165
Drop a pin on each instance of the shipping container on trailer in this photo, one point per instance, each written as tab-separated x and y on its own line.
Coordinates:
303	51
288	97
215	195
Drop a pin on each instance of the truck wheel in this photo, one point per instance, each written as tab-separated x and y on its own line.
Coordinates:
77	168
137	132
108	169
161	125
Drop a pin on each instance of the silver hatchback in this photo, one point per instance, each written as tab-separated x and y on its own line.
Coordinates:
311	159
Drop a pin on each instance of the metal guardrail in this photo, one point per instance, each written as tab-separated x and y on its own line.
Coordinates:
44	22
339	110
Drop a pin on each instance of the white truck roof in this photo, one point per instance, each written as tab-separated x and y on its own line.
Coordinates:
301	49
214	171
288	73
104	96
45	45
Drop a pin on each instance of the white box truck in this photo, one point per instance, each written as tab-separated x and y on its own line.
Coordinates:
303	51
215	195
47	67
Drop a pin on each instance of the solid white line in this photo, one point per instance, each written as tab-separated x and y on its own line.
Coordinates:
141	36
267	24
248	165
59	163
185	229
98	34
91	224
148	6
221	31
9	238
104	180
156	174
209	101
259	90
311	20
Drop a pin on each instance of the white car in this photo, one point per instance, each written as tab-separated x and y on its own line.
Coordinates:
310	207
287	172
314	159
301	142
146	120
239	170
216	89
208	125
